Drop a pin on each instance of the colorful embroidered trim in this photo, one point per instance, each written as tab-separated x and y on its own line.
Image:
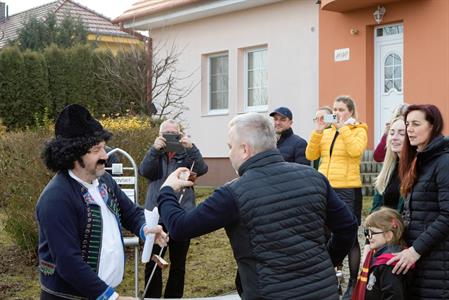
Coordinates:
46	268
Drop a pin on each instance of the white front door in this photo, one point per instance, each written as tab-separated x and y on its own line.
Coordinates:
388	74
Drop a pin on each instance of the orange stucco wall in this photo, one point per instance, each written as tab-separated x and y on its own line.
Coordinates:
426	55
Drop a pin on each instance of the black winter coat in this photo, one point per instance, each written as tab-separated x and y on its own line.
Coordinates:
426	215
279	242
382	283
293	147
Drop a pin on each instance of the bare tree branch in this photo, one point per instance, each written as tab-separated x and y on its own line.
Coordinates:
127	71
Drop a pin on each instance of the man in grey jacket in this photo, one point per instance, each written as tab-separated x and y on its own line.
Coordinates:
163	157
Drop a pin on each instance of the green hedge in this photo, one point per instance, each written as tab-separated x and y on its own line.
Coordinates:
36	85
24	176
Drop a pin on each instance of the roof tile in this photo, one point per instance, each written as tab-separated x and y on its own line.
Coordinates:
94	22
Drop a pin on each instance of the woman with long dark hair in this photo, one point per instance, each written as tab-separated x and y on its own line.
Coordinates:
424	173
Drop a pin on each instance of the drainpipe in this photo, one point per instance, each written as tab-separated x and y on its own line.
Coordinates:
150	105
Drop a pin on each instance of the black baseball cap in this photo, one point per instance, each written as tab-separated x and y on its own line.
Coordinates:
283	111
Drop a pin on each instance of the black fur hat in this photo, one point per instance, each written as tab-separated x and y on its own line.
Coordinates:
75	121
76	131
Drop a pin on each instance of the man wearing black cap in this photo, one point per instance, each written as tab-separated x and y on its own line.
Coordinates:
80	213
291	146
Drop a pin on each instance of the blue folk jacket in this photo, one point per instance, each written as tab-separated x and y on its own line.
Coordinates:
70	235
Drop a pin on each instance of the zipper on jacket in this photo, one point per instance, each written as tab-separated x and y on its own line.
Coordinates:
330	152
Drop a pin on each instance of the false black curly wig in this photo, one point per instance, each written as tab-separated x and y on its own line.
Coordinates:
61	153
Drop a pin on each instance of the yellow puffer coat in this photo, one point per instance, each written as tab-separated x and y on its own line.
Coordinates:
343	168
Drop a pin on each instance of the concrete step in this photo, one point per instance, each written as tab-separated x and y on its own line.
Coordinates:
367	190
369	169
368	178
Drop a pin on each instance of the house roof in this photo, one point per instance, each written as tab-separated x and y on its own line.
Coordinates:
349	5
147	14
144	8
94	22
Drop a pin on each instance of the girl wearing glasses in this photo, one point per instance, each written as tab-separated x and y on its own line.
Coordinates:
383	229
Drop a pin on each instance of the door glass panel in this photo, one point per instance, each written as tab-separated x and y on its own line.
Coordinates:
392	73
389	30
397	72
398	85
388	85
388	72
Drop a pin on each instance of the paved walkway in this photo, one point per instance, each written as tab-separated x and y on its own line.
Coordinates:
225	297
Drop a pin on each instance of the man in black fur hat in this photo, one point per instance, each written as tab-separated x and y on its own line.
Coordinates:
80	213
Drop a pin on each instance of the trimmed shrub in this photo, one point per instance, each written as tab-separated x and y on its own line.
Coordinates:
57	64
103	91
11	86
35	95
80	78
24	176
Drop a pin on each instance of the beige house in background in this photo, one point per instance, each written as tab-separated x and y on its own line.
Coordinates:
246	55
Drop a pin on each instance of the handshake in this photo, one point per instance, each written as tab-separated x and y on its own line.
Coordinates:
179	179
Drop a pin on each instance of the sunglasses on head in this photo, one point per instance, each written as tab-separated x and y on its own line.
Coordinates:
369	233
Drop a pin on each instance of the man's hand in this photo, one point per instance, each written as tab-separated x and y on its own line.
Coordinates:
159	143
161	237
175	182
186	143
406	258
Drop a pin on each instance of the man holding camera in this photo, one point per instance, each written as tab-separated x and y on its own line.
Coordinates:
291	146
170	151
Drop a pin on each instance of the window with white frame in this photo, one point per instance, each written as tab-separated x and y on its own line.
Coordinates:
256	79
218	83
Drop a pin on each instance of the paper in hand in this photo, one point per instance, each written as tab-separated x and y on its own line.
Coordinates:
152	219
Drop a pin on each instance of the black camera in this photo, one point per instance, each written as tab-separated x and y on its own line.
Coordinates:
172	142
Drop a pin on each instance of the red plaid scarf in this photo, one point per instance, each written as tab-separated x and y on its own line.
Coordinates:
359	290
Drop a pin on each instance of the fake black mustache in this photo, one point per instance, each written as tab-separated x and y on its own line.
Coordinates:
101	162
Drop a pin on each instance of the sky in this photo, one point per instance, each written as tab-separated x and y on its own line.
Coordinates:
108	8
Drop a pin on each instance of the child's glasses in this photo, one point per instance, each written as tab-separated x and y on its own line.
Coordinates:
369	233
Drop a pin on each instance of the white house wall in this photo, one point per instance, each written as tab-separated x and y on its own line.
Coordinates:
288	28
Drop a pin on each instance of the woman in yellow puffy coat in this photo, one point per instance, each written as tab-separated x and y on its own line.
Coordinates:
340	149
